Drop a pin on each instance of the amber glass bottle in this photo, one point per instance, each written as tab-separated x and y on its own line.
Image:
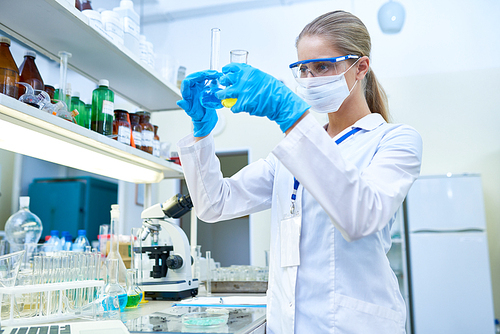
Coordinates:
147	131
9	73
29	73
121	126
156	142
136	130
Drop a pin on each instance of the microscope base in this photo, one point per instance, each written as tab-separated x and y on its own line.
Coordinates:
171	295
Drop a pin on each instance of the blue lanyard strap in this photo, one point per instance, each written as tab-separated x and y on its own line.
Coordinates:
296	183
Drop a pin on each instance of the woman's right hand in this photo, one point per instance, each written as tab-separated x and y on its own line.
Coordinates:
204	119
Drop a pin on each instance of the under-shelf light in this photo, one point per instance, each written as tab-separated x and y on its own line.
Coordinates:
21	139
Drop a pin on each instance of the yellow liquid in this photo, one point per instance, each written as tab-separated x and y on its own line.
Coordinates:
228	103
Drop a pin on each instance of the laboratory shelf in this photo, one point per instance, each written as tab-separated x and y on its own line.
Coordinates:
31	131
50	26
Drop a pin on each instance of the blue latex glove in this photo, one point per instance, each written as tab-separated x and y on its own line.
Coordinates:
261	94
204	119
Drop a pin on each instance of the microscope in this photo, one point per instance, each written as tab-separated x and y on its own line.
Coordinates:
170	276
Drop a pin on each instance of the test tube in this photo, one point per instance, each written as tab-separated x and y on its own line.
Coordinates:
215	49
209	273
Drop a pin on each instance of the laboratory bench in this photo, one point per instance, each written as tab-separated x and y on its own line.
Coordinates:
161	317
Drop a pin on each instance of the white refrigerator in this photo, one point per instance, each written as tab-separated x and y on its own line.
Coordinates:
449	269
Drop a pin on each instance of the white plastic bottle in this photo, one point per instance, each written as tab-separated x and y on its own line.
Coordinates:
54	243
80	242
112	26
131	25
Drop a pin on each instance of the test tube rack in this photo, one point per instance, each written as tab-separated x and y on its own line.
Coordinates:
45	295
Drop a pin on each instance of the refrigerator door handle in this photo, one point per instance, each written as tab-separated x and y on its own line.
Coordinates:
448	230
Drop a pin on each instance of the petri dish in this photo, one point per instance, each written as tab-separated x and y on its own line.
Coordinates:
205	319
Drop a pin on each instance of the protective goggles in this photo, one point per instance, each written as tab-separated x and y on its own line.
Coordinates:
320	67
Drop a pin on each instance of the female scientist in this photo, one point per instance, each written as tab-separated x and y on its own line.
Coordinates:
333	190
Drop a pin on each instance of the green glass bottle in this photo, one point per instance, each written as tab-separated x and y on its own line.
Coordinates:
103	107
83	116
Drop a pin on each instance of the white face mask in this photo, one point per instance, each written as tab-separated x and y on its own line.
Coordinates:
324	94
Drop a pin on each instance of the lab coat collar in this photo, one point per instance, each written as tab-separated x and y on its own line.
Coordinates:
368	123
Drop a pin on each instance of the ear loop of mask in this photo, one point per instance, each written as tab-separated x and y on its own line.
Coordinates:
348	71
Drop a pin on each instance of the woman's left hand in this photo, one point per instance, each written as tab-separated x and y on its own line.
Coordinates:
261	94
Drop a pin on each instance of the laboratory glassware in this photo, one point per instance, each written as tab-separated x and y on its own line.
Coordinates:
156	142
9	73
83	116
9	269
114	252
147	131
23	227
63	74
28	73
134	292
208	98
236	56
121	126
113	289
181	74
209	273
136	130
103	107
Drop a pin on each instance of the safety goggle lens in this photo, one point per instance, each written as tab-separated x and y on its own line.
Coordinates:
319	68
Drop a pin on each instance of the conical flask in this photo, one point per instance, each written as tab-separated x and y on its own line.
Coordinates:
134	292
114	244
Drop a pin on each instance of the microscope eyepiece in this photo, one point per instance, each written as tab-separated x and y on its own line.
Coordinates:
177	206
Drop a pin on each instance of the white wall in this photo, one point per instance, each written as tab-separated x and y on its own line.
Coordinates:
440	74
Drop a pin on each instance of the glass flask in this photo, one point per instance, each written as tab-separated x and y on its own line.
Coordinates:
114	252
115	296
9	73
23	227
134	292
147	131
28	73
136	130
103	108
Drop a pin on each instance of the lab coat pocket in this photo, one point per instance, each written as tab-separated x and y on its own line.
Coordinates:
356	316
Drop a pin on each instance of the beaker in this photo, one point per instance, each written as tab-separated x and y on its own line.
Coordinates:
208	98
241	57
9	268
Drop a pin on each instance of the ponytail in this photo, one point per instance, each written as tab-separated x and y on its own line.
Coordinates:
375	96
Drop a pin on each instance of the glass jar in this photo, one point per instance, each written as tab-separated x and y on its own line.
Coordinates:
136	130
9	73
50	90
147	131
121	126
28	73
156	142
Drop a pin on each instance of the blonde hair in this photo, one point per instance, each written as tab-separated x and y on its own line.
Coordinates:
349	35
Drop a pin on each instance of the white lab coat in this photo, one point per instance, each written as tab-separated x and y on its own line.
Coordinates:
348	195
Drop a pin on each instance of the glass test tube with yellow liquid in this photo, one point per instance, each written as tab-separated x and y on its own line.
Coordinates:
237	56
